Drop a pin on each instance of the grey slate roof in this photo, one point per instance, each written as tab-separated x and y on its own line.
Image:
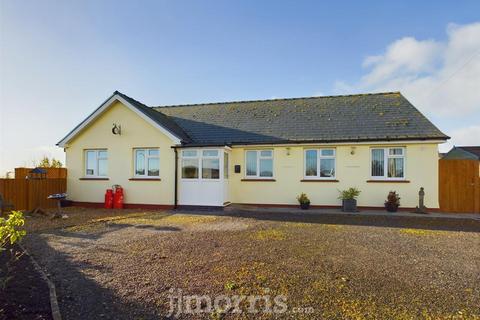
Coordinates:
352	118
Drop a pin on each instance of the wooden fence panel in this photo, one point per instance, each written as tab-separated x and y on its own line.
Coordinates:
52	173
459	186
477	191
28	194
15	192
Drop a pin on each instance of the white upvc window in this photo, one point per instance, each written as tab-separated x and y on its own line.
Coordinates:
96	163
146	163
259	164
388	163
201	164
320	164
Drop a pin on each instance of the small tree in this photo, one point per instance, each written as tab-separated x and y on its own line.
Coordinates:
56	163
10	233
47	163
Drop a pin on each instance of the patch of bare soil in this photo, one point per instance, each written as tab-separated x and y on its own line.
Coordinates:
24	294
125	267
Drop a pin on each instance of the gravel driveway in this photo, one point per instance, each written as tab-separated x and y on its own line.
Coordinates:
126	266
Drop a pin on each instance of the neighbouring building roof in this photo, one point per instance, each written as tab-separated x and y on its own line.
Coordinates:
470	152
473	150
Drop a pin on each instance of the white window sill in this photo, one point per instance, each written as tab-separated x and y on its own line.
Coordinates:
309	179
388	181
145	179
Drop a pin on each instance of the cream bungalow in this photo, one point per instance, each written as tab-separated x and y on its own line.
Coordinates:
255	152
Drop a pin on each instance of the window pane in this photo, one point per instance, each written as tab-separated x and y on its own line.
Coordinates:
190	168
153	167
189	153
102	154
251	163
395	168
327	168
140	162
210	153
266	168
328	152
102	167
91	159
210	168
266	153
377	162
225	165
395	151
153	152
311	163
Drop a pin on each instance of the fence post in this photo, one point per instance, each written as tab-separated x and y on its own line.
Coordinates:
477	194
27	193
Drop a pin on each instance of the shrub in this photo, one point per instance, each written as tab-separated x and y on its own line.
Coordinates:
303	199
393	199
10	231
349	194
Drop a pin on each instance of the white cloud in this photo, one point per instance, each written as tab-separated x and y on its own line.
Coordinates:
403	58
441	78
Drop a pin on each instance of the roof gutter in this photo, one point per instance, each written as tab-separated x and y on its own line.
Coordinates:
316	142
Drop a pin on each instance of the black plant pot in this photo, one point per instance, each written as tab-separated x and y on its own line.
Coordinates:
66	203
305	206
349	205
391	207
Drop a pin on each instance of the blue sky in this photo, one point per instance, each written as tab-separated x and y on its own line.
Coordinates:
60	59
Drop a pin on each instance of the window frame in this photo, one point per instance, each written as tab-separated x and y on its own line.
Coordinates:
386	156
226	170
259	157
97	158
196	157
319	158
147	156
199	157
217	157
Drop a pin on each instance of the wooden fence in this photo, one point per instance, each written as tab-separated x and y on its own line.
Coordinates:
52	173
459	185
28	194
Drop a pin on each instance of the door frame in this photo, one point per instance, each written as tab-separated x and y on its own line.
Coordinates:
200	191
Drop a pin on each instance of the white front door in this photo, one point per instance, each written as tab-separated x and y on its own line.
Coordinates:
201	181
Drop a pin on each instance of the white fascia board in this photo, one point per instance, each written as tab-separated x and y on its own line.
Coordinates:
63	143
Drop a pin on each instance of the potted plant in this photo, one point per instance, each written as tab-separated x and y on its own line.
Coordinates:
349	201
393	202
304	201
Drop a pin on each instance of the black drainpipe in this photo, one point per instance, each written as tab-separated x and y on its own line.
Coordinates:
176	178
